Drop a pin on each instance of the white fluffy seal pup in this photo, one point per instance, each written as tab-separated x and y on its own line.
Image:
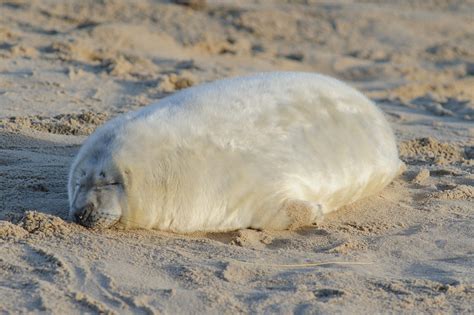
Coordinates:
266	151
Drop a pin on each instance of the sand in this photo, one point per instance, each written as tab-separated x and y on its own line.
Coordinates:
68	66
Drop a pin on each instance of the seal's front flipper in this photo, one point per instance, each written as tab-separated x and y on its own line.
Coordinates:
302	212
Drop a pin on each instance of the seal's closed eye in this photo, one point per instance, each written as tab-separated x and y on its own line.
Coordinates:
107	184
112	184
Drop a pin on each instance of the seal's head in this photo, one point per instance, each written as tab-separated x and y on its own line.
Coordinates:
96	194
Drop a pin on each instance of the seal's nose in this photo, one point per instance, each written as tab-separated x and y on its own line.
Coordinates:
81	215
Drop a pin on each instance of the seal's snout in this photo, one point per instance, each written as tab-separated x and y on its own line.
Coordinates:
82	215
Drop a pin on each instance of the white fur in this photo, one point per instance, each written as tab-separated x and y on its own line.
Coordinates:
240	152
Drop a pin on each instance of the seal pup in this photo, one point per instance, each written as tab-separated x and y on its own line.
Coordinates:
266	151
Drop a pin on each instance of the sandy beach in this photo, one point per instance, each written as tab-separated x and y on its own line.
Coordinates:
66	67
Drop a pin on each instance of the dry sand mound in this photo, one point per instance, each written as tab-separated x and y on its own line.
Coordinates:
430	150
64	124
